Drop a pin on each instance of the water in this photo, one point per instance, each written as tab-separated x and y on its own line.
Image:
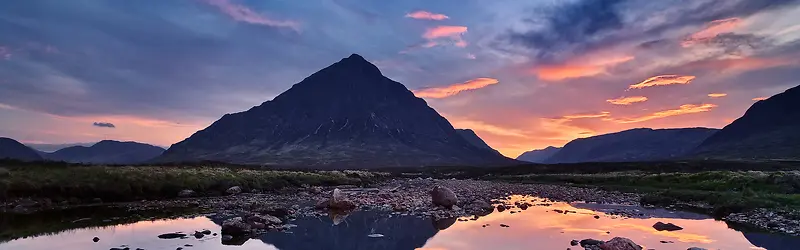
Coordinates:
538	227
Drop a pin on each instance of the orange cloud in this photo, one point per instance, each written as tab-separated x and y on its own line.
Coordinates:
489	128
682	110
579	67
627	100
425	15
244	14
760	98
711	30
663	80
442	92
717	95
581	116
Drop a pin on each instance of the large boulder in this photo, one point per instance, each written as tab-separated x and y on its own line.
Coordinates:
619	243
338	201
235	226
265	219
479	207
186	193
234	190
443	196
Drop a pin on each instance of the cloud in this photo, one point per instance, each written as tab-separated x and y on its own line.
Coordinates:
717	95
760	98
663	80
627	100
244	14
578	67
489	128
104	124
439	34
5	53
741	64
712	30
682	110
442	92
425	15
588	115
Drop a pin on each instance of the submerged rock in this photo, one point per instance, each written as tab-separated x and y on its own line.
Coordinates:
620	243
696	248
95	239
172	236
443	196
590	242
660	226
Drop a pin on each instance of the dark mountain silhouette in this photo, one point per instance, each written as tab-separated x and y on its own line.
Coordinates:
345	115
107	152
12	149
475	140
49	148
770	129
538	155
642	144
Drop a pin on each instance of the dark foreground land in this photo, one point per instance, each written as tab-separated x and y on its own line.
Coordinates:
762	195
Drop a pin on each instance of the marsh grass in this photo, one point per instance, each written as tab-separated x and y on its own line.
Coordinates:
120	183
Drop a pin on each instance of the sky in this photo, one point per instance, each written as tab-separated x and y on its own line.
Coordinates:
524	74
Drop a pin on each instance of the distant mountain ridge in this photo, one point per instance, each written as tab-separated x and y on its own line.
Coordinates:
642	144
770	129
347	115
49	148
539	155
107	152
12	149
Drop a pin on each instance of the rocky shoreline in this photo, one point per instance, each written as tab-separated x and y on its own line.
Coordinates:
412	197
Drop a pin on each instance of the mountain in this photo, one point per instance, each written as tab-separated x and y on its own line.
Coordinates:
642	144
770	129
12	149
49	148
475	140
347	115
107	152
538	155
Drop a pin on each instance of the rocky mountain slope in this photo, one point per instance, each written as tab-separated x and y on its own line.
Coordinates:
347	115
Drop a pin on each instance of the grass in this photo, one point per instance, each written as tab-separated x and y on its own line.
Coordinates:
725	191
119	183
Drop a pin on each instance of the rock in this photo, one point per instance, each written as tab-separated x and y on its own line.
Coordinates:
444	223
338	201
235	226
186	193
95	239
504	225
696	248
171	236
480	207
265	219
375	235
660	226
206	232
234	190
590	242
255	191
620	243
574	243
501	208
597	216
227	237
199	235
443	196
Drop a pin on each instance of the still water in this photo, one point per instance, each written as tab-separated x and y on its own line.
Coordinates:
538	227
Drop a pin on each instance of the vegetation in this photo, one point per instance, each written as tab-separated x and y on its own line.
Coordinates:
62	182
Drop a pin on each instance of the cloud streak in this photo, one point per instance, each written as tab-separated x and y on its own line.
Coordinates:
242	13
717	95
627	100
425	15
663	80
712	30
104	124
442	92
437	35
682	110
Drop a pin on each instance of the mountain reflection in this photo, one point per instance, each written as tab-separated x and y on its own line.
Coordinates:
400	233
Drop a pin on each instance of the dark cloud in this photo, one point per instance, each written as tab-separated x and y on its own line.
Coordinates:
104	125
585	25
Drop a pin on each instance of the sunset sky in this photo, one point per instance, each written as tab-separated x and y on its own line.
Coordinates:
523	74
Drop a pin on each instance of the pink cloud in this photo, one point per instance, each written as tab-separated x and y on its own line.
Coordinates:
627	100
663	80
244	14
712	30
682	110
5	53
425	15
446	91
444	31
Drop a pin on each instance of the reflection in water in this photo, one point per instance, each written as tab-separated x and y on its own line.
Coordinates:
538	227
